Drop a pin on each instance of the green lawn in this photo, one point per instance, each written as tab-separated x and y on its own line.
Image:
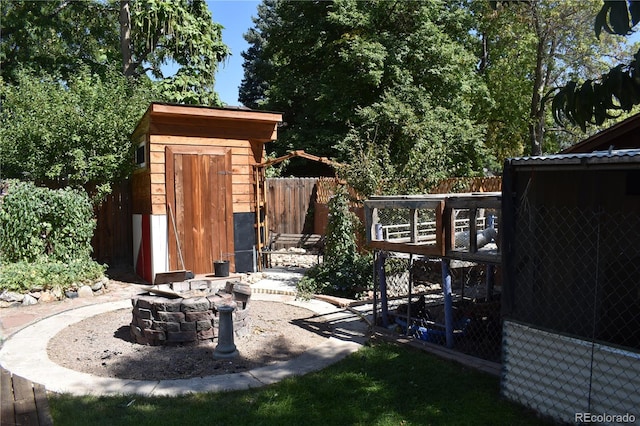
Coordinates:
382	384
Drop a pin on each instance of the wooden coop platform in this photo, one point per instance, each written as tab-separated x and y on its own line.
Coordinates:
454	226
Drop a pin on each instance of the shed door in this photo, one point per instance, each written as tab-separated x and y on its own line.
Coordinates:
200	196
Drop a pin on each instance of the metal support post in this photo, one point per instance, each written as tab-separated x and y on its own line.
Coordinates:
448	302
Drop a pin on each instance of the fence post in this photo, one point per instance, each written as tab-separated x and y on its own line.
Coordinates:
382	279
490	268
448	302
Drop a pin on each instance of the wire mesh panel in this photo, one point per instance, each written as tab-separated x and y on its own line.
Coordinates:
407	224
572	320
414	303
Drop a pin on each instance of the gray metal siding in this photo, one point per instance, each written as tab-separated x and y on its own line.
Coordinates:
551	374
616	373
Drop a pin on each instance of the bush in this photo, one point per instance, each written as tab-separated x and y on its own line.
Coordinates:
345	272
45	238
25	276
350	279
39	223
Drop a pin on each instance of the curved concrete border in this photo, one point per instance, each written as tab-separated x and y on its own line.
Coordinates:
25	354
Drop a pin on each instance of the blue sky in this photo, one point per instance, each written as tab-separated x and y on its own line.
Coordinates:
235	16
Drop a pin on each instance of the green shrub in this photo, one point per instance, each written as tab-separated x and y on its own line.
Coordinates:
345	272
42	275
350	279
340	244
45	238
39	223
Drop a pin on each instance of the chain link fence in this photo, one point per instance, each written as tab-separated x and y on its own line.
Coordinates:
572	313
412	303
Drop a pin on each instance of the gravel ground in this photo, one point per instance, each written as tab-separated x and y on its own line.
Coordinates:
102	345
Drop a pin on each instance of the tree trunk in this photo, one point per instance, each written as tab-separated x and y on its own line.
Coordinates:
125	38
536	114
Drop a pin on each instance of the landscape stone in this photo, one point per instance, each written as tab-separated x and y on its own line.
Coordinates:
85	291
195	305
97	286
29	300
187	326
47	296
11	296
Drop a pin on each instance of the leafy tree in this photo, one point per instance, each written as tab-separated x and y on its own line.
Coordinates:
57	38
76	135
153	32
530	48
349	75
595	100
256	68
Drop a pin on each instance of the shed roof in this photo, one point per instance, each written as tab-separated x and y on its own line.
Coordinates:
231	113
618	157
622	135
204	121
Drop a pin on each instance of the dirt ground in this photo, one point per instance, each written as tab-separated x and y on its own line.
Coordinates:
102	345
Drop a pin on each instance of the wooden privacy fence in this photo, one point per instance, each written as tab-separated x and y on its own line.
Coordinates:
290	204
300	205
113	239
464	184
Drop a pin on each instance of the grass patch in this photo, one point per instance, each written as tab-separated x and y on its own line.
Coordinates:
382	384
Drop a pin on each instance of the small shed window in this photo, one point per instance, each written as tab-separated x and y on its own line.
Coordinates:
141	158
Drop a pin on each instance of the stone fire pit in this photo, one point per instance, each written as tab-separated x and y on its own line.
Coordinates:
186	313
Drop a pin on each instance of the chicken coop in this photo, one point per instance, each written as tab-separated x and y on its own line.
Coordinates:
436	257
571	292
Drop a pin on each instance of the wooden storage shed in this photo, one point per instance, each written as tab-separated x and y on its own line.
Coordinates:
195	193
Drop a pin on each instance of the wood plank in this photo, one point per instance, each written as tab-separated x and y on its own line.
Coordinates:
160	209
242	198
170	202
262	133
239	207
259	152
241	169
157	147
242	188
140	193
242	151
26	412
42	405
228	177
156	157
7	413
158	189
242	178
174	140
424	249
157	178
197	149
156	168
25	404
218	113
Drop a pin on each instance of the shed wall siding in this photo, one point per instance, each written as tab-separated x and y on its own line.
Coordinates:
552	374
243	159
